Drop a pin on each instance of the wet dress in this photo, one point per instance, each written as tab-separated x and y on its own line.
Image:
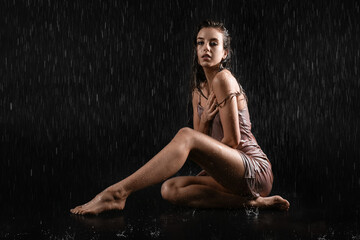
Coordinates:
258	173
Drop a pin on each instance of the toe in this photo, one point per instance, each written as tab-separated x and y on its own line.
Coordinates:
76	210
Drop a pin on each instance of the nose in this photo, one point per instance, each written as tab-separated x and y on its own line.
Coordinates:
206	47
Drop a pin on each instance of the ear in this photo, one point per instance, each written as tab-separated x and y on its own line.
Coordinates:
226	52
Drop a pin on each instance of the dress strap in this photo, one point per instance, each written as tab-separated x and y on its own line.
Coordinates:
230	96
202	94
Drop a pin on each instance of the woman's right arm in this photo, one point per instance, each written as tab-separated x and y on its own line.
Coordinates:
202	124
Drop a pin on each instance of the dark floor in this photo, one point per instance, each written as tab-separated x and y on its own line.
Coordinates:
147	216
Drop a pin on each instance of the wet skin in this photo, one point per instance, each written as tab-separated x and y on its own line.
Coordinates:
219	190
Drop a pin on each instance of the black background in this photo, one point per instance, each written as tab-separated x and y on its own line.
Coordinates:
91	90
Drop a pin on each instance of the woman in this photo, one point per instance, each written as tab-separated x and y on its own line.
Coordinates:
236	171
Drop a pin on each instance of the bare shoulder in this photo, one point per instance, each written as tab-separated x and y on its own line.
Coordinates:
195	96
224	80
195	92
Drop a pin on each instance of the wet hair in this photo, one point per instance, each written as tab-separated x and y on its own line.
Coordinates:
198	75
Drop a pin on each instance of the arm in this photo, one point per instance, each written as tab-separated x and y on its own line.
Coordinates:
223	86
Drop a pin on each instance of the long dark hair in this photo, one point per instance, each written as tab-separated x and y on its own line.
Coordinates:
198	75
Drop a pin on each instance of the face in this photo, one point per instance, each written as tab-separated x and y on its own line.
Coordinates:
209	47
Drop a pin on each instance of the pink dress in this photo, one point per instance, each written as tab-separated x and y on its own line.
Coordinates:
258	173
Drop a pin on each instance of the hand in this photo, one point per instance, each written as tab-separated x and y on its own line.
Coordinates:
210	109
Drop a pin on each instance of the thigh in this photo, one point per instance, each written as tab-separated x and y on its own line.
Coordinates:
223	163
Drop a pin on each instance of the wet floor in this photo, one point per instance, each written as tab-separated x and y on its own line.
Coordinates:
147	216
89	92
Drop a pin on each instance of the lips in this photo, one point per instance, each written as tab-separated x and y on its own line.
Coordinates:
206	56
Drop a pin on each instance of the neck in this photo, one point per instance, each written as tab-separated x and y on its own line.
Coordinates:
210	74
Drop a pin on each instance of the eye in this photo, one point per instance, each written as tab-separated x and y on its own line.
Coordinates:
213	44
200	43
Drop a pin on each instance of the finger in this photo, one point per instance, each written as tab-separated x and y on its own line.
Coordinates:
212	95
212	115
212	99
213	106
214	102
208	102
215	111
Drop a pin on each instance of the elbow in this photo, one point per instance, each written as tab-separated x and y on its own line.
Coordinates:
232	142
235	142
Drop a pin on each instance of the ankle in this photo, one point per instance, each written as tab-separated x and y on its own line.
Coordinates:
256	202
118	190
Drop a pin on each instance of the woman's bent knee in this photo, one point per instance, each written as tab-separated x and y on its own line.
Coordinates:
185	131
184	135
169	191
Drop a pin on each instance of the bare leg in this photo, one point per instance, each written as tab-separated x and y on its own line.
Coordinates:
220	161
205	192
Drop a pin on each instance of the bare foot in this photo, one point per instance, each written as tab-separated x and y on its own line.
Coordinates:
104	201
276	202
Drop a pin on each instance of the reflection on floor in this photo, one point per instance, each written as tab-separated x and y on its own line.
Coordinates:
147	216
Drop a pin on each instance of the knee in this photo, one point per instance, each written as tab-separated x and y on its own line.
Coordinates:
169	191
184	133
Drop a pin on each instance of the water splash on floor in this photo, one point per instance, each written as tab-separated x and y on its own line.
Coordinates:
251	211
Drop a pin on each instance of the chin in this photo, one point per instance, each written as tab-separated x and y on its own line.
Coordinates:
206	64
209	65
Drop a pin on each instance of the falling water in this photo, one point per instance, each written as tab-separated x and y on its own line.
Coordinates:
91	91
